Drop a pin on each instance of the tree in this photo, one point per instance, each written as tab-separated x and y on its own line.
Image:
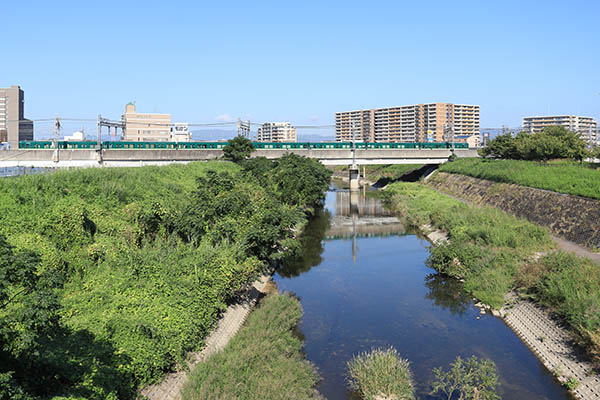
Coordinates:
238	149
472	379
502	146
552	142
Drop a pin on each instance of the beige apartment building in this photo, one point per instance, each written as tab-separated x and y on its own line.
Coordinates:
433	122
145	127
276	132
587	127
14	127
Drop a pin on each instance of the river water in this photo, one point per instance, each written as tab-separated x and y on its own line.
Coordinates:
363	283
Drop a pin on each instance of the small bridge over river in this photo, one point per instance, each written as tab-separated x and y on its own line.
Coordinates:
57	158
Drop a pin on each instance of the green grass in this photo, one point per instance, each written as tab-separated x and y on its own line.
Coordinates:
492	251
486	245
264	361
381	372
563	176
570	285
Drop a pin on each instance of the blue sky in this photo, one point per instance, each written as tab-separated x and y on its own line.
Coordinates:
301	61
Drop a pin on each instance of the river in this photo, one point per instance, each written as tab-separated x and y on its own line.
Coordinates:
363	283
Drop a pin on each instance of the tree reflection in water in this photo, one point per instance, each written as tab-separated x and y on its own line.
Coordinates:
311	246
448	293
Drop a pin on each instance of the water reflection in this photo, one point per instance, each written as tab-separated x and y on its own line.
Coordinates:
311	246
447	293
388	296
360	214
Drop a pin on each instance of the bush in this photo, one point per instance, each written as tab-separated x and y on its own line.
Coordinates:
552	142
381	372
472	379
120	272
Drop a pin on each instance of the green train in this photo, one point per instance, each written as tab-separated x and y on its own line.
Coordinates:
48	144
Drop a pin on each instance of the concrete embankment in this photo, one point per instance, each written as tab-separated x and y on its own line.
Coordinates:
571	217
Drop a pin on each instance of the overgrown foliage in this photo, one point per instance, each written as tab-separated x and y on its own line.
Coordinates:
550	143
470	379
563	177
486	245
238	149
381	373
264	361
492	251
110	276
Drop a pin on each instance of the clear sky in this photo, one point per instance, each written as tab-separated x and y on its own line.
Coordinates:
301	61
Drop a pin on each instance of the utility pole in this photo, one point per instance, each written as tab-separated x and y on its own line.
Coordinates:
56	132
99	144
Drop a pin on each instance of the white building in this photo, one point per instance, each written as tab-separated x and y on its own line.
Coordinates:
180	132
78	136
587	127
276	132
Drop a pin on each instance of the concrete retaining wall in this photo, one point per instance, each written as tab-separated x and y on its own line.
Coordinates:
574	218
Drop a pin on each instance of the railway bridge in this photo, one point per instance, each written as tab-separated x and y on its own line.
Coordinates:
58	158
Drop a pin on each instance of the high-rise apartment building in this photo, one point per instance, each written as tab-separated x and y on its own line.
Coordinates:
587	127
276	132
145	127
433	122
14	127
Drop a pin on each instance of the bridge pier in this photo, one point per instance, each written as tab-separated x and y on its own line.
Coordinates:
354	177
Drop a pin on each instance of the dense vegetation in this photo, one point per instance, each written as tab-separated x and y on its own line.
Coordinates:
551	143
492	251
263	361
563	177
110	276
381	373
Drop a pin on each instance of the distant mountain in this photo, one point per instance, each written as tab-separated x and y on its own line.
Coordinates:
203	135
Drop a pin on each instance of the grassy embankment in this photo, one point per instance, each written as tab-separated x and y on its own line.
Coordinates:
110	276
263	361
492	251
377	172
559	176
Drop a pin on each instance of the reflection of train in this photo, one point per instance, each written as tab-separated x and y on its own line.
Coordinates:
48	144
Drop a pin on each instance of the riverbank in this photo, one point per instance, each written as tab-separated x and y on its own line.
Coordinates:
170	388
115	275
263	361
572	217
495	257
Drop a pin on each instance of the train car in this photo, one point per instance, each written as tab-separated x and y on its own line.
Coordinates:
36	144
140	145
88	144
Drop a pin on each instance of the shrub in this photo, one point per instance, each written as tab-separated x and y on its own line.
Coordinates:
470	379
381	372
